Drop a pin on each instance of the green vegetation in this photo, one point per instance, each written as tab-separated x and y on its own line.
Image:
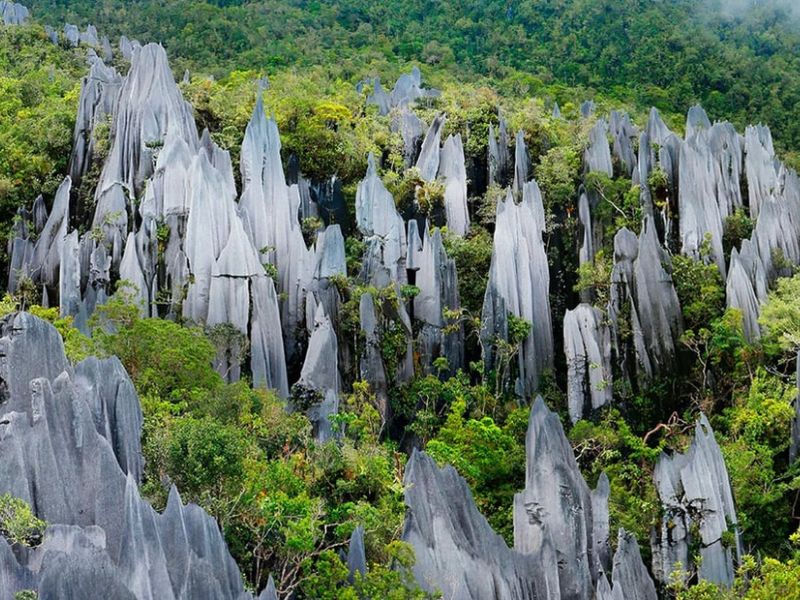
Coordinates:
286	504
18	524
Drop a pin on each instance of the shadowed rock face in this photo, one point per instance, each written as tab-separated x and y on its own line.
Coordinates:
587	346
643	298
519	282
499	158
13	13
561	547
597	156
456	550
438	284
698	509
69	443
407	91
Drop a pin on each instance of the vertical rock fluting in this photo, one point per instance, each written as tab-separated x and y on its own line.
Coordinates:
96	106
13	13
456	550
499	158
643	309
553	516
382	227
149	107
587	346
698	509
741	296
519	282
70	446
437	281
454	174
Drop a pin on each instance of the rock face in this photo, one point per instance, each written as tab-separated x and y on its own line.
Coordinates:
456	550
499	159
70	446
553	516
407	91
383	229
741	296
13	13
698	509
519	282
643	304
597	157
561	548
454	174
631	579
97	105
438	283
587	346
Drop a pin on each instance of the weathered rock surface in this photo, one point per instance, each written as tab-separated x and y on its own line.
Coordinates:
644	297
741	296
438	283
454	175
698	509
456	550
70	446
519	281
13	13
587	346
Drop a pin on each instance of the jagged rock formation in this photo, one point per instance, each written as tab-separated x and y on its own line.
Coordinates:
407	90
741	296
597	156
428	160
456	550
587	346
356	560
553	516
522	165
643	304
499	158
438	283
631	580
13	13
561	547
519	282
454	175
97	105
625	136
698	509
70	446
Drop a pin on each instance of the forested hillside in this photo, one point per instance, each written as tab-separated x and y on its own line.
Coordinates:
401	299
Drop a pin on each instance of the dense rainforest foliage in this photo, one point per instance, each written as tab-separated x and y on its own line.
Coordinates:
286	504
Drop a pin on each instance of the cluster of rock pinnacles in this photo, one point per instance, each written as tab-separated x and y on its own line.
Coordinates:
167	218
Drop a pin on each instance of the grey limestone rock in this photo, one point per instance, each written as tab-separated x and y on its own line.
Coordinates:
269	592
372	369
438	283
587	346
267	358
456	550
411	129
97	105
13	13
454	175
625	136
70	449
597	156
519	275
381	224
356	556
759	164
522	164
740	295
556	508
698	503
631	579
428	160
499	158
47	253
